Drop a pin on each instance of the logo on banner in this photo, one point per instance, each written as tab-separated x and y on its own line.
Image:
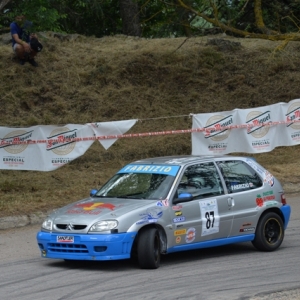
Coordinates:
293	114
257	119
61	140
216	123
15	137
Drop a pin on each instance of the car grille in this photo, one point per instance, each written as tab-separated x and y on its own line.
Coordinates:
68	248
67	226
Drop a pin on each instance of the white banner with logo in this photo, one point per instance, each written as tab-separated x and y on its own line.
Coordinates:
42	148
21	156
257	130
254	130
46	148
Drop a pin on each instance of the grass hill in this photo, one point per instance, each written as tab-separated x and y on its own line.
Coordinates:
159	81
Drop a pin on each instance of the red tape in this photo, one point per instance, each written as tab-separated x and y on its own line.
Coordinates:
132	135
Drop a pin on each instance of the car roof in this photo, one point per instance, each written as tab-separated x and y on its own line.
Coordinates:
182	159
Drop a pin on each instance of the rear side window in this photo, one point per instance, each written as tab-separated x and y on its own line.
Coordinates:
239	176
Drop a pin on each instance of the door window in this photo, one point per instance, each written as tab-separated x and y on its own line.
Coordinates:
201	180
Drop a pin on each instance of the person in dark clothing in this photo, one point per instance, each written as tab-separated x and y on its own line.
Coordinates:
25	44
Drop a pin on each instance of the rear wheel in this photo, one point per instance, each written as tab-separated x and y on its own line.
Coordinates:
148	249
269	232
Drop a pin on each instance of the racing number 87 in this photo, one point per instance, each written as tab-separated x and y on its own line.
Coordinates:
210	219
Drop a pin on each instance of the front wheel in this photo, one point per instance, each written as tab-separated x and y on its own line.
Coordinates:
148	249
269	232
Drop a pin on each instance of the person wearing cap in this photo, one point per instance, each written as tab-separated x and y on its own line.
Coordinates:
21	40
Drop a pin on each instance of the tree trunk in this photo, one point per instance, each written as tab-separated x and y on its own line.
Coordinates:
259	19
183	16
129	11
3	3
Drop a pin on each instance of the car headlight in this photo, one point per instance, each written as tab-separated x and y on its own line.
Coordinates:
47	224
104	226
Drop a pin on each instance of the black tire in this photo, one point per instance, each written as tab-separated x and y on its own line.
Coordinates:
148	249
269	232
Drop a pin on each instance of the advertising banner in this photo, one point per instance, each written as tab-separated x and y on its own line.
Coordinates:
42	148
253	130
46	148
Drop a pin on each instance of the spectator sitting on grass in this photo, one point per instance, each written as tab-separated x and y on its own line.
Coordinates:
25	44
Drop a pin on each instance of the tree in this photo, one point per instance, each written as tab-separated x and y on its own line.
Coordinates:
265	19
129	12
89	17
262	31
3	3
40	12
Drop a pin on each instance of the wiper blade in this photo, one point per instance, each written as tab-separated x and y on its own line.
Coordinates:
129	197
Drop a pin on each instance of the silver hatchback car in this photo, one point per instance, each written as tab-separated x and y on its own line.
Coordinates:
168	204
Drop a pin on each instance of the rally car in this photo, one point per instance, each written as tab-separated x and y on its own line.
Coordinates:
161	205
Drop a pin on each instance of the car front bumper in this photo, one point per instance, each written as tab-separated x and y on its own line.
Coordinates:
86	246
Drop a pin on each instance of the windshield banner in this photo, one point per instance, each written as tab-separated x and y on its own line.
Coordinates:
150	169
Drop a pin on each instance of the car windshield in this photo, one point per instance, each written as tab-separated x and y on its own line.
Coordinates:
140	184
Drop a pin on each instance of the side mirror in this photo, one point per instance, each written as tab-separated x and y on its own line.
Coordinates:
184	197
93	192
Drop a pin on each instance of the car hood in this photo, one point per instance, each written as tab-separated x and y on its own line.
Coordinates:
93	209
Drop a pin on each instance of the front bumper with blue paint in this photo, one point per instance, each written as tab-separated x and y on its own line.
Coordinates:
86	246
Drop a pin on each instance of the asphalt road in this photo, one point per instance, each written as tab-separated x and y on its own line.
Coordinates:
230	272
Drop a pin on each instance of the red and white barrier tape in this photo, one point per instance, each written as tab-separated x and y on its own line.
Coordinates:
16	141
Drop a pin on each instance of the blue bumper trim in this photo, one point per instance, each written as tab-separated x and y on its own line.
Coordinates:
286	211
86	246
213	243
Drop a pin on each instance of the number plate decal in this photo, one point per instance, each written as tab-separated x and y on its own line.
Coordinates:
65	239
209	216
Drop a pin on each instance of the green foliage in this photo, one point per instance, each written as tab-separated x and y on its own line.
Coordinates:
158	18
161	19
90	17
40	12
278	15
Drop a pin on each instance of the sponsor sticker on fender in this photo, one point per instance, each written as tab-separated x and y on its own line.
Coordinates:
177	207
190	235
248	229
179	232
267	176
178	239
265	197
178	213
